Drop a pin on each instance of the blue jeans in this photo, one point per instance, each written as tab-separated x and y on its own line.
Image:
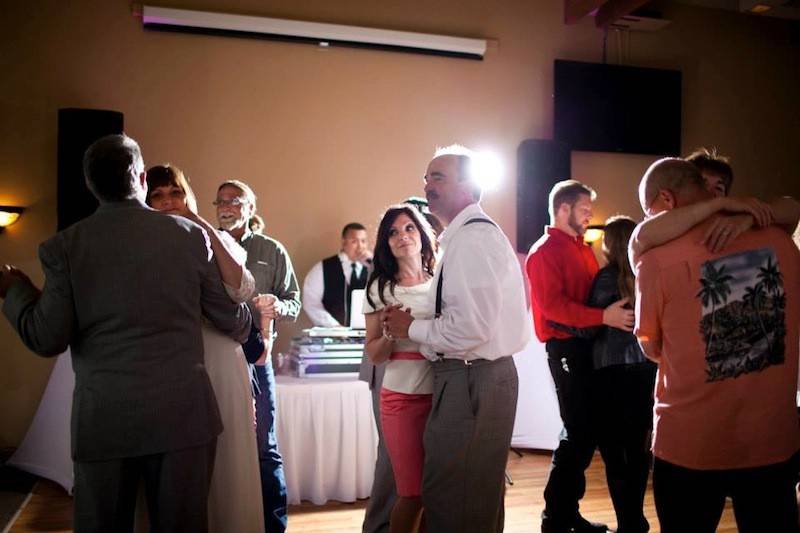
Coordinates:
273	482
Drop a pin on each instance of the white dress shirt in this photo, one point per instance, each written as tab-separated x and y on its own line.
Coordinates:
483	297
314	287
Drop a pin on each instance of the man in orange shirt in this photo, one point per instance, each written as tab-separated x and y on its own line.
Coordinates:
723	327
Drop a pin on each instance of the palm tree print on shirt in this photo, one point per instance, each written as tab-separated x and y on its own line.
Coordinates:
743	324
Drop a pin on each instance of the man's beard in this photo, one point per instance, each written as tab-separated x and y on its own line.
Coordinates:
576	227
229	223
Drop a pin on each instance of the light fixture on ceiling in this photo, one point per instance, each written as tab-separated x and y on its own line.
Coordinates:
8	215
321	34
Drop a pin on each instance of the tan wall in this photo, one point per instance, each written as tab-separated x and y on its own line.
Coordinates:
330	136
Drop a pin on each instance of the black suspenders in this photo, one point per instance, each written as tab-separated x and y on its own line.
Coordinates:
441	274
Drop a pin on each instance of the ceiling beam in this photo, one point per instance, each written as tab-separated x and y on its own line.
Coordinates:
575	10
614	9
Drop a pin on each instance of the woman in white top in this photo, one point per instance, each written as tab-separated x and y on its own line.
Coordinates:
234	499
402	269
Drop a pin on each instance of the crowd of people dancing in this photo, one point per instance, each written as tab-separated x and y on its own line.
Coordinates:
680	353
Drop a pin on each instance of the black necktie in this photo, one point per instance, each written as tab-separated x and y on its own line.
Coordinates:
348	294
353	275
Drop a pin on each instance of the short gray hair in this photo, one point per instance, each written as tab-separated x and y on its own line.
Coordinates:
249	195
465	158
111	167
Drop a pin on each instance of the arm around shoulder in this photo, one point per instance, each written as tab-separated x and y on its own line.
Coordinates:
671	224
230	318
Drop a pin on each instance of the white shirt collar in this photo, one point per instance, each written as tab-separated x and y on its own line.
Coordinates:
347	265
467	213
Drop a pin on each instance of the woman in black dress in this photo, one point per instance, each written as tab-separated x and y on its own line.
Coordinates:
624	381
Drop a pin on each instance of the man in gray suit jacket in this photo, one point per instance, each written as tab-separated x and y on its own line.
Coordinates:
125	288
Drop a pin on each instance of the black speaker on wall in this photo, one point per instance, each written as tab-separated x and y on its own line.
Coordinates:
540	165
77	130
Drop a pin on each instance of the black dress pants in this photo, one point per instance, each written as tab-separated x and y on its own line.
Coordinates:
570	362
691	501
176	486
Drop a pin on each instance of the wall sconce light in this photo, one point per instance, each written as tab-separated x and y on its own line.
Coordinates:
593	233
8	215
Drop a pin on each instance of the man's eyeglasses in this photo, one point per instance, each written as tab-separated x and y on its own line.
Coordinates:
236	202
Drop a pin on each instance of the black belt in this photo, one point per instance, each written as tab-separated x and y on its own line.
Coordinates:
444	365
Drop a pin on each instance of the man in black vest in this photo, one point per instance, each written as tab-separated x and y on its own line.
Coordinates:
329	283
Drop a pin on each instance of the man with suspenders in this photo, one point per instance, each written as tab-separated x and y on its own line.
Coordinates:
480	323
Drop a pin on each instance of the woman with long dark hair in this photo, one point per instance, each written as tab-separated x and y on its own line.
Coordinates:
625	381
234	500
403	265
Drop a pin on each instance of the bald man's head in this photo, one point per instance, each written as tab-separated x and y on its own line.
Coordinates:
670	183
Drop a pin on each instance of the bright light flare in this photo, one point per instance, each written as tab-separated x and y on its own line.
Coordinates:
487	169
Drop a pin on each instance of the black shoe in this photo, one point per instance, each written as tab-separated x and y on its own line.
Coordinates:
551	526
584	526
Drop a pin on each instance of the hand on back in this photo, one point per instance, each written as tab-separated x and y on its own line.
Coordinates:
724	230
618	316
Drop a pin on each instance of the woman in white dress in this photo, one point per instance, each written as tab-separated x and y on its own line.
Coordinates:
234	502
402	269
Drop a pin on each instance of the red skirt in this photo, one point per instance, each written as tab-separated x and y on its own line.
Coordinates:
403	419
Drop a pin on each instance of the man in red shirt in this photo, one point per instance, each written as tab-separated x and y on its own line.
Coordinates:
561	267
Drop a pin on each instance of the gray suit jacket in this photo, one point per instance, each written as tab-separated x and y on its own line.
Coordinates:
371	373
126	288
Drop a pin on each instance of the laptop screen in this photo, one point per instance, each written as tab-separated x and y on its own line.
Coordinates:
357	320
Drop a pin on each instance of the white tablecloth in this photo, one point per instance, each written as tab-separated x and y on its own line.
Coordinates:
45	450
327	438
538	422
325	428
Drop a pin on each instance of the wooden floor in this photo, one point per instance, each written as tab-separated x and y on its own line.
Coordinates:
50	508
